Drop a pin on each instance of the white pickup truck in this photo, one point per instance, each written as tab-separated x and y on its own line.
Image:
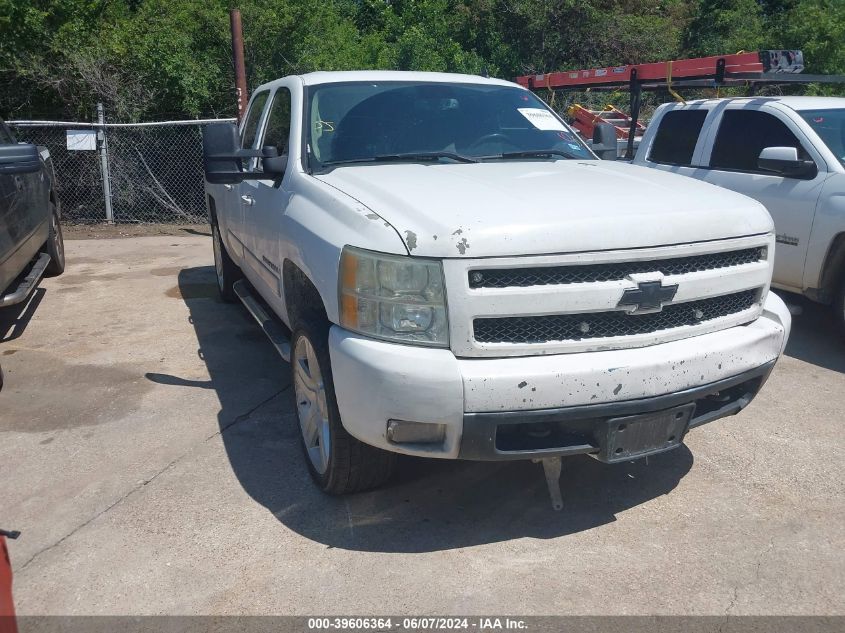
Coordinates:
452	273
786	152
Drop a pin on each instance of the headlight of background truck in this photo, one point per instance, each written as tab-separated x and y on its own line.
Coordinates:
393	297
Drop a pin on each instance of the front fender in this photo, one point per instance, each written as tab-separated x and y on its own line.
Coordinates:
829	222
318	222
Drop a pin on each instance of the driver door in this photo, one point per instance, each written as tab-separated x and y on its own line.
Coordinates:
265	202
234	229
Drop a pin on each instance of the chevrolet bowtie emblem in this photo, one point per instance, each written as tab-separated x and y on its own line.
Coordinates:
648	296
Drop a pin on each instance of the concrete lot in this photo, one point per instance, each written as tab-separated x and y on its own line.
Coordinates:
149	454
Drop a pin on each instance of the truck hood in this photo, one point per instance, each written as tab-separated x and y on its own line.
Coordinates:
541	207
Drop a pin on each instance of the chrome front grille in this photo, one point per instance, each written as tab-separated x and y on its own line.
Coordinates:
589	273
578	327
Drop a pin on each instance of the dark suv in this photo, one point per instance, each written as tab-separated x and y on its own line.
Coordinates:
30	231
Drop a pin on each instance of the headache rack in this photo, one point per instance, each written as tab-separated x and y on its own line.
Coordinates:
742	69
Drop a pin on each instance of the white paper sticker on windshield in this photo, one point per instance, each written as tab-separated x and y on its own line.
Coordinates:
542	119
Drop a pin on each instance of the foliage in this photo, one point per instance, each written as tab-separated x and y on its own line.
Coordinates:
147	59
725	26
818	28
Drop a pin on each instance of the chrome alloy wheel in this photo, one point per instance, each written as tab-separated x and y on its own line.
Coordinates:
311	407
218	256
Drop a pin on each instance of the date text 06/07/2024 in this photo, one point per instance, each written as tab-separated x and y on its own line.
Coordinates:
416	623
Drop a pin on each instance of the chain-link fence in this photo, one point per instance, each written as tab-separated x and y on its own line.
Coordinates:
125	173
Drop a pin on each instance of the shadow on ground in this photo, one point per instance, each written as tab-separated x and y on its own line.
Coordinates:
15	318
432	505
815	336
196	232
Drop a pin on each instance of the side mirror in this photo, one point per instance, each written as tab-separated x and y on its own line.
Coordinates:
19	158
604	141
220	160
222	157
785	162
274	166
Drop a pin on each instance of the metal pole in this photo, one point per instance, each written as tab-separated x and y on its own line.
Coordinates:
636	90
238	59
104	163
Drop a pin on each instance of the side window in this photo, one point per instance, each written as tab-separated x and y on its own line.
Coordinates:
743	134
277	132
253	116
676	137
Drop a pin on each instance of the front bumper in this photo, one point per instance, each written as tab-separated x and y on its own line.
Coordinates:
564	396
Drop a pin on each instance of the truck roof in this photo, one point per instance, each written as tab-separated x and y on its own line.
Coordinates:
316	78
795	103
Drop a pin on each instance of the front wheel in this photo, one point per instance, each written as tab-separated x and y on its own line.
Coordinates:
338	463
839	304
55	245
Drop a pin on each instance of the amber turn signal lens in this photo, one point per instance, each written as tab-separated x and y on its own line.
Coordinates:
349	311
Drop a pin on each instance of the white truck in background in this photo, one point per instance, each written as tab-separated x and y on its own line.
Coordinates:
786	152
452	274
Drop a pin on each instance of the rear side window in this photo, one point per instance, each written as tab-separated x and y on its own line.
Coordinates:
250	128
676	137
743	134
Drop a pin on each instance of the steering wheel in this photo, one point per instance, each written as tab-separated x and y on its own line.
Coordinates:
494	136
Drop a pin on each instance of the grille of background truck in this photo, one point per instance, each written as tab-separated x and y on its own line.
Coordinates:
571	327
551	275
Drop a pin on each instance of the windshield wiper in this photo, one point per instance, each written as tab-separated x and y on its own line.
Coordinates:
535	153
409	156
427	156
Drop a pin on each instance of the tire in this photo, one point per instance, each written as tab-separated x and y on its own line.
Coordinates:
227	271
55	245
339	464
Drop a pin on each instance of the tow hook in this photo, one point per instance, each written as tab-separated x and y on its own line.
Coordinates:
551	468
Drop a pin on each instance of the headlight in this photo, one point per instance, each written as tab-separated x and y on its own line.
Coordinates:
393	297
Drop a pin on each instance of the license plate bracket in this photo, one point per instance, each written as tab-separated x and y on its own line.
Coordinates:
634	436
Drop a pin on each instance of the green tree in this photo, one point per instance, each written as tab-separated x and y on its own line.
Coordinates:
148	59
720	27
817	27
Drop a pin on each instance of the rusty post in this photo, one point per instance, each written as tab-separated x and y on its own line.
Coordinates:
238	59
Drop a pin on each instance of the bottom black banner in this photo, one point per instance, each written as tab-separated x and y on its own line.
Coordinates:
285	624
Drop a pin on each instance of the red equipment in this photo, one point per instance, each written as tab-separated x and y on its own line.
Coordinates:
7	607
749	69
712	71
585	121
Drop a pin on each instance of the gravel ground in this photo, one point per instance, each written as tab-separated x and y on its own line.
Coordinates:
111	231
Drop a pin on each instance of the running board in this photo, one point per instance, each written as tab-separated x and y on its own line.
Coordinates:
29	282
271	326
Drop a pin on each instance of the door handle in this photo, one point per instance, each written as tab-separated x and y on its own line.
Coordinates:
227	187
248	200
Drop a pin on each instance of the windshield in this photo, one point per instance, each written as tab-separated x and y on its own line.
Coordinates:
830	126
369	122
